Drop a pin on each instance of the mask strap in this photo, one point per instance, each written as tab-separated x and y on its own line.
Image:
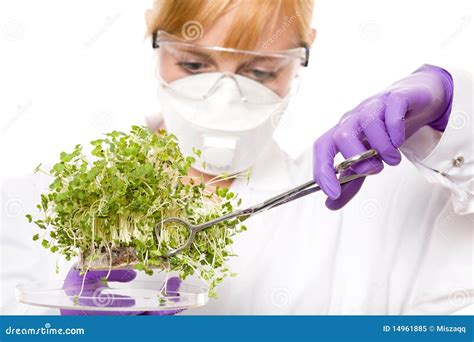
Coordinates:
161	80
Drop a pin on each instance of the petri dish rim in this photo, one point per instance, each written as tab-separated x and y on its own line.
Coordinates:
146	295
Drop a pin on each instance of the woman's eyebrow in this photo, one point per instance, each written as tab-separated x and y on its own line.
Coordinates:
262	59
206	56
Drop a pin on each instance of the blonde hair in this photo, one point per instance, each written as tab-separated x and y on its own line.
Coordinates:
253	17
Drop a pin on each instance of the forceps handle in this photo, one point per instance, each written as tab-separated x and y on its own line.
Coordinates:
290	195
303	190
314	189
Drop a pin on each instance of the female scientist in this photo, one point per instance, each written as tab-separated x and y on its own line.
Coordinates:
399	242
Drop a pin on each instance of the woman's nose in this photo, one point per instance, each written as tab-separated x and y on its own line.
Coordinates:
229	65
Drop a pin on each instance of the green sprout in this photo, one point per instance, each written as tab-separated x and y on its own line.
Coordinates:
109	204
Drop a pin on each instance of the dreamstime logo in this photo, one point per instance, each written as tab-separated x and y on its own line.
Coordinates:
46	330
281	297
13	31
287	22
370	208
109	22
192	30
369	31
367	122
460	297
102	298
459	120
13	207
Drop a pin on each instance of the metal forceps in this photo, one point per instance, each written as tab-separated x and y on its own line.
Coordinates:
285	197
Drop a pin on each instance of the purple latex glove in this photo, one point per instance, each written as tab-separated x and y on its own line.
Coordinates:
93	295
382	122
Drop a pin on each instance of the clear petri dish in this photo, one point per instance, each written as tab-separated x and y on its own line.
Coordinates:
133	296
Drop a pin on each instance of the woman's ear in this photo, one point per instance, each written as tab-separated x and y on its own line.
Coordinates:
312	36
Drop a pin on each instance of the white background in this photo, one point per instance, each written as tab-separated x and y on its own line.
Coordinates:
70	70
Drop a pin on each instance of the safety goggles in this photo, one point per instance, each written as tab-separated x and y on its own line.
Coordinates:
177	59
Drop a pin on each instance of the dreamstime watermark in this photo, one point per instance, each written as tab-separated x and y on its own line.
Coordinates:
367	121
448	217
463	201
46	330
102	298
465	21
281	297
13	207
370	208
192	30
109	22
102	120
460	297
13	31
287	22
370	31
459	119
21	110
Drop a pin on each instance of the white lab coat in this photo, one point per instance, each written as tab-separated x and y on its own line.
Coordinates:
403	245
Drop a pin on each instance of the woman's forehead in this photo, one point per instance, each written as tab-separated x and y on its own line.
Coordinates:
275	33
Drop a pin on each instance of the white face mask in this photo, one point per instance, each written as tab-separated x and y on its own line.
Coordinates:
229	132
